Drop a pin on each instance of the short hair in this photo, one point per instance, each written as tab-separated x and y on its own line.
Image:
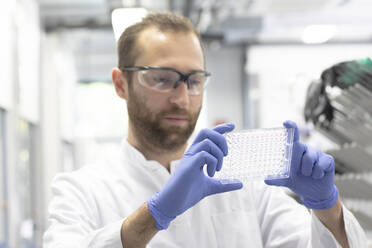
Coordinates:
165	22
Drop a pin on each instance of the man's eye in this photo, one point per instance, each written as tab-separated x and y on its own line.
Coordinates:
194	82
163	80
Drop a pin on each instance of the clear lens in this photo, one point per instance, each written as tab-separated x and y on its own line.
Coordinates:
196	82
165	80
158	79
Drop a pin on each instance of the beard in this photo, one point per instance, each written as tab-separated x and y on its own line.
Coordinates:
149	129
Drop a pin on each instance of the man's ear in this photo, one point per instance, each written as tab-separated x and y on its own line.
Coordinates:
120	83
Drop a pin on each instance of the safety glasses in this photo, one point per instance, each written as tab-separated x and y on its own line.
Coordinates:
164	79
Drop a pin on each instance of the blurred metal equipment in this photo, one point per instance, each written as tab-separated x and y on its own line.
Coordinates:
340	107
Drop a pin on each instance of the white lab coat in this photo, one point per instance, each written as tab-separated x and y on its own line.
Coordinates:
89	206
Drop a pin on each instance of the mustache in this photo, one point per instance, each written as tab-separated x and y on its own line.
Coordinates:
176	111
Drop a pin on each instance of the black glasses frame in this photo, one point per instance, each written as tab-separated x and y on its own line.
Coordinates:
183	77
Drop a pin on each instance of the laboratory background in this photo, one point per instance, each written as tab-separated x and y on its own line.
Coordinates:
270	60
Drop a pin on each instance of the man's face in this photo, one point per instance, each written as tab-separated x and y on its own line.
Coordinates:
165	119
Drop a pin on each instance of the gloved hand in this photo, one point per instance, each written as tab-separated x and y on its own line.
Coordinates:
188	184
311	175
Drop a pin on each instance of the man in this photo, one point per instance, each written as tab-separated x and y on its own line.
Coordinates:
155	193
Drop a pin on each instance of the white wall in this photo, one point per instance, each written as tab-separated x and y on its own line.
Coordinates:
224	100
50	144
28	48
7	11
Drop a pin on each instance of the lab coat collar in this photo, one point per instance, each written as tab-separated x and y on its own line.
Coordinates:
132	154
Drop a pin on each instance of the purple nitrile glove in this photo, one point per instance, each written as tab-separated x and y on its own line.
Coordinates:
188	184
311	176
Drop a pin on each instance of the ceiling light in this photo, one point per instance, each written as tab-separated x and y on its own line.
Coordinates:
125	17
316	34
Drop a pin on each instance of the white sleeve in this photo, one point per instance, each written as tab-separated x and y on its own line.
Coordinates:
285	223
322	237
73	218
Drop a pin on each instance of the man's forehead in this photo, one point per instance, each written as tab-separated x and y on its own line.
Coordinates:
155	33
154	43
152	36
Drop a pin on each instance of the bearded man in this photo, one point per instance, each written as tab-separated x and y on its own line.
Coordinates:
156	193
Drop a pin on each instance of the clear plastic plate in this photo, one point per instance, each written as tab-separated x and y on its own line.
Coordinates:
257	154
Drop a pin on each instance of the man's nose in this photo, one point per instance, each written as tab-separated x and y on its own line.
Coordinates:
180	96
